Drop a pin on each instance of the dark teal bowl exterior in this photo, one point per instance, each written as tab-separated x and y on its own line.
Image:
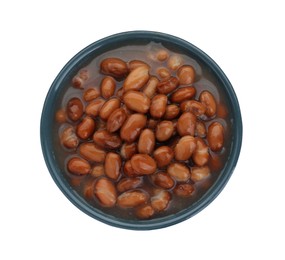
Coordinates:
85	56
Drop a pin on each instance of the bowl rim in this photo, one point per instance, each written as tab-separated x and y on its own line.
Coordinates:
156	223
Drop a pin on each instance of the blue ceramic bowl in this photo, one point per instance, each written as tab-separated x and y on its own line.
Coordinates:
83	58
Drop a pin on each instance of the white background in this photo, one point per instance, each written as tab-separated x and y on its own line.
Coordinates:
246	38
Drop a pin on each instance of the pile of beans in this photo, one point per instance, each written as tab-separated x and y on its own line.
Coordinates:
142	136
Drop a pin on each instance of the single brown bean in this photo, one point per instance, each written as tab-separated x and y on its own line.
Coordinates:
97	171
160	200
128	150
92	152
113	165
164	130
179	172
171	112
174	62
201	153
185	148
91	94
114	67
186	124
144	212
74	109
163	73
128	170
94	107
150	87
182	94
186	74
116	120
200	129
146	142
162	55
85	128
68	138
136	101
105	191
78	166
199	173
88	189
184	189
108	86
215	136
209	101
158	106
168	85
129	184
133	64
132	198
163	180
107	140
60	116
143	164
109	107
163	156
132	127
137	78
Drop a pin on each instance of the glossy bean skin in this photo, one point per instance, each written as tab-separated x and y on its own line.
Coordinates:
132	198
116	120
184	189
128	170
209	101
179	172
186	74
163	73
164	130
113	165
133	64
114	67
174	62
129	184
186	124
200	130
171	112
136	101
199	173
215	136
167	86
94	107
201	153
163	180
160	200
91	94
145	212
108	86
137	78
91	152
86	128
150	88
78	166
105	191
185	148
132	127
162	55
128	150
163	156
143	164
74	109
97	171
182	94
107	140
193	106
158	106
109	107
68	138
146	142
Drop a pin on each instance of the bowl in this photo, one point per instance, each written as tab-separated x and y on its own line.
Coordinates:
50	144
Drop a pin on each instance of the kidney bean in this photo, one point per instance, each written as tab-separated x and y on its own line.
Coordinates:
163	156
78	166
143	164
184	189
186	75
113	165
162	55
90	94
164	130
163	180
185	148
158	106
132	198
193	106
137	78
107	140
109	107
116	120
179	172
114	67
132	127
74	109
150	87
160	200
174	62
128	150
108	86
171	112
163	73
182	94
186	124
146	142
91	152
168	85
199	173
88	189
215	136
60	116
133	64
129	184
85	128
201	153
68	138
128	170
94	107
105	191
200	129
137	101
97	171
209	101
144	212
